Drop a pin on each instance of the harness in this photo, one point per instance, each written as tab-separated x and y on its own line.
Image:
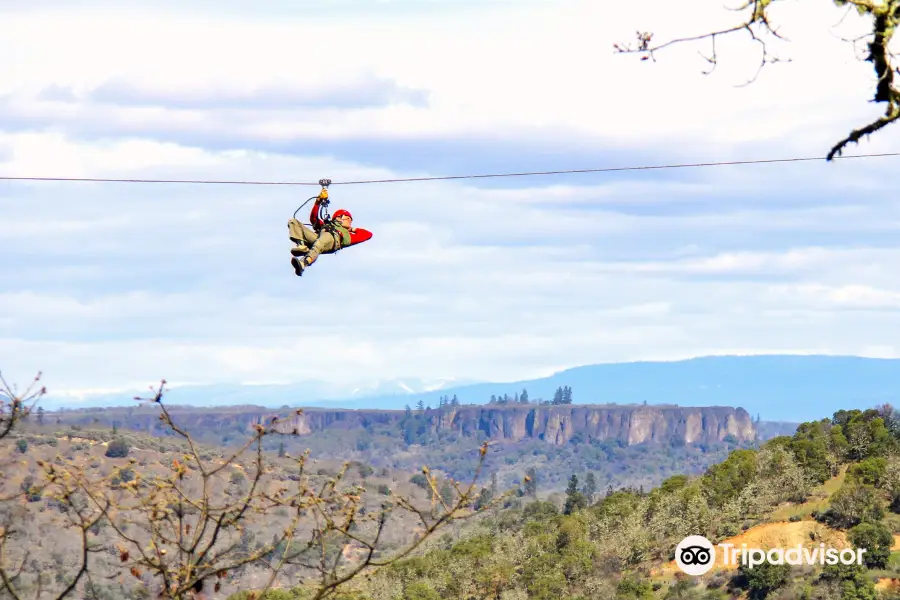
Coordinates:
338	233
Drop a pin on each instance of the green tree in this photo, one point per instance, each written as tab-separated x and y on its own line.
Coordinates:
117	448
853	504
575	500
590	487
876	539
871	471
758	22
724	481
420	591
848	582
558	396
762	580
22	445
630	588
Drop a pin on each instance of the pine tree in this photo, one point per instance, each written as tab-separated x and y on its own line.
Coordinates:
454	401
523	397
574	498
558	396
420	406
40	415
493	399
590	487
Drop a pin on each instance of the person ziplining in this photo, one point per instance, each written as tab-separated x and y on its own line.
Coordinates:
327	234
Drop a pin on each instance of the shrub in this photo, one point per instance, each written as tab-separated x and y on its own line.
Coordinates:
117	448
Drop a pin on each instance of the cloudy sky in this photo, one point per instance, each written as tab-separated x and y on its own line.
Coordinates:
113	285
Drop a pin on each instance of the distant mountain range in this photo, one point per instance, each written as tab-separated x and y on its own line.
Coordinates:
270	395
777	387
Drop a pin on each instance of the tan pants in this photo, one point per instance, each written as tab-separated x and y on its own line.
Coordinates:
322	243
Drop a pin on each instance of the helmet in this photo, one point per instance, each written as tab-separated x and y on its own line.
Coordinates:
342	213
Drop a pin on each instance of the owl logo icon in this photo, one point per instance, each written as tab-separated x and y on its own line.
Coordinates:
695	555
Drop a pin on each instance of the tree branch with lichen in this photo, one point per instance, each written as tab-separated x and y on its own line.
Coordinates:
885	16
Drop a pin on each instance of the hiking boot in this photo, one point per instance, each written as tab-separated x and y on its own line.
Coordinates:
299	250
298	265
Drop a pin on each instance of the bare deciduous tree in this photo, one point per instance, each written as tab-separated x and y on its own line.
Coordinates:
16	406
182	534
883	14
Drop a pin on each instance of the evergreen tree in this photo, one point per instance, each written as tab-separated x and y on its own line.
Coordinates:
523	397
493	399
531	484
590	487
567	395
574	499
558	396
40	415
454	401
408	412
420	406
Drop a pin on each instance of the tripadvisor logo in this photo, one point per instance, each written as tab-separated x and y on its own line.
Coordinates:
696	555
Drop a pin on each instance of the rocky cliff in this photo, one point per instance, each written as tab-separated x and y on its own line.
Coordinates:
553	424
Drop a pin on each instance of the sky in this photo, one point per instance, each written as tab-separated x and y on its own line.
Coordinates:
108	286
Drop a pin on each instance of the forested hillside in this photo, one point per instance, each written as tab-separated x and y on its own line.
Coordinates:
107	513
621	445
835	481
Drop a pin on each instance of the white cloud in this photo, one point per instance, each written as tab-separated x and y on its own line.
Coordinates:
109	285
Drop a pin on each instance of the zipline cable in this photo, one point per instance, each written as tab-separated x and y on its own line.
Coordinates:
449	177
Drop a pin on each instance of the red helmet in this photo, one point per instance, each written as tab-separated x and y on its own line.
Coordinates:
342	213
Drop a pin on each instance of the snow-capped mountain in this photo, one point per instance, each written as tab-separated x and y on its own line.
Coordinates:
400	387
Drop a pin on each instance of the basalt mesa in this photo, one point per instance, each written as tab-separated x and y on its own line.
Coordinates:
553	424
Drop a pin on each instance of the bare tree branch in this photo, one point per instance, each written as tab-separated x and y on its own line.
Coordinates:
885	16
